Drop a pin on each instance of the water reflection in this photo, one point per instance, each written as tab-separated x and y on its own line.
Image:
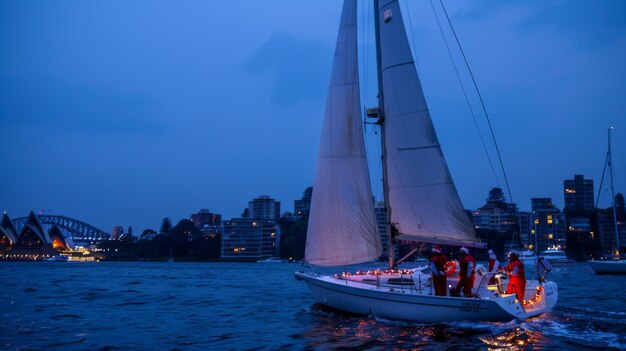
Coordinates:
336	330
514	339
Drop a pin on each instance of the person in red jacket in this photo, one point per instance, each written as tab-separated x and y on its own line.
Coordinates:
437	266
517	279
494	267
467	273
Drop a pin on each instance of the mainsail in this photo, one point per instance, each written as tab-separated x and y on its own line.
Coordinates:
423	200
342	228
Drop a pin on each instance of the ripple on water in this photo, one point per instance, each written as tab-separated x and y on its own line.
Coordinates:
217	306
65	316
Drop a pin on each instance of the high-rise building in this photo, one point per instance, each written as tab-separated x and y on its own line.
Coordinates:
548	226
525	227
301	207
606	227
578	194
579	217
249	239
206	218
264	208
381	221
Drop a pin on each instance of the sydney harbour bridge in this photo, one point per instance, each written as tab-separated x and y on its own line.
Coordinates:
72	228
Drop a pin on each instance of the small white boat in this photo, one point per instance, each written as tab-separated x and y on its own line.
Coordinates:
58	258
528	257
271	260
612	266
556	257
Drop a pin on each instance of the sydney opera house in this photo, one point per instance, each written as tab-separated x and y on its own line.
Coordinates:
32	242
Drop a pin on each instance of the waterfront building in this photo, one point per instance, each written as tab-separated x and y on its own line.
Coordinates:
496	216
548	226
206	218
264	208
118	232
525	227
379	210
249	239
496	221
606	227
302	207
32	243
578	194
8	232
579	216
57	240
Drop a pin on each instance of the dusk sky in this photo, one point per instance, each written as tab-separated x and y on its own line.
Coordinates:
125	112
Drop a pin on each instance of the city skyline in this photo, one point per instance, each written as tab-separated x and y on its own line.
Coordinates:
119	121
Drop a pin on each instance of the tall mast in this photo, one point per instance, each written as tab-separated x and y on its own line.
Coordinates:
613	195
381	122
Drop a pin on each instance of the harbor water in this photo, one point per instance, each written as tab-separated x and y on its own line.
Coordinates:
255	306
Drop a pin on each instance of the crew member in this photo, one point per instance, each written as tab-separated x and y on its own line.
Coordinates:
437	266
543	268
467	274
494	267
517	279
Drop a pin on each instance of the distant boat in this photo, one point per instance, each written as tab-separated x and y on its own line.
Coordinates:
271	260
556	257
421	200
528	257
58	258
615	264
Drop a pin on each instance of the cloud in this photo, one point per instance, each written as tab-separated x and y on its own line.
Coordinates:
94	110
300	67
591	23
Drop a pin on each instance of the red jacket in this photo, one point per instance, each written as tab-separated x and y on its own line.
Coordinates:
440	262
516	263
465	262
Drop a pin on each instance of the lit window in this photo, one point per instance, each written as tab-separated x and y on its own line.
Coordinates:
550	236
537	221
549	216
549	221
236	249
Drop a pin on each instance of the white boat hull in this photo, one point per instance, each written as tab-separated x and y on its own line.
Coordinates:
395	304
608	267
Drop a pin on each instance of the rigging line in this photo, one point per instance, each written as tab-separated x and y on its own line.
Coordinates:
469	105
408	14
482	102
606	161
364	51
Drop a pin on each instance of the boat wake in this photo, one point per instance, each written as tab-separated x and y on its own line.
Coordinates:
569	327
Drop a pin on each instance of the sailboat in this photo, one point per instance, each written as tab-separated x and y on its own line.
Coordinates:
611	265
421	201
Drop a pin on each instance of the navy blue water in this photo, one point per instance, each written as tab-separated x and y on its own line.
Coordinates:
246	306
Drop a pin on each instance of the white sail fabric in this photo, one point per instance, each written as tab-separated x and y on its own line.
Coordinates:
342	228
423	200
